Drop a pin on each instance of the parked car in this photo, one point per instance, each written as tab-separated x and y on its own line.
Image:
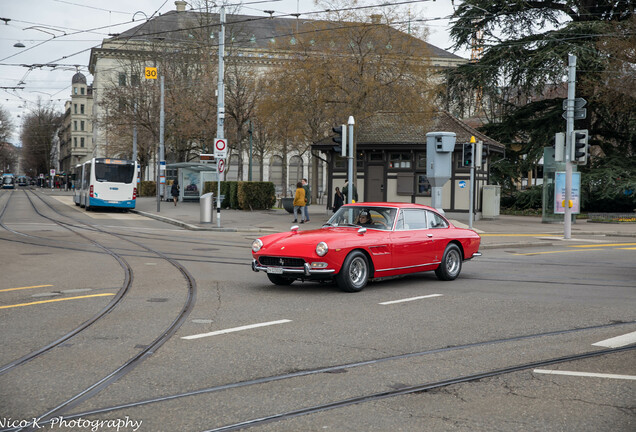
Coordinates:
364	241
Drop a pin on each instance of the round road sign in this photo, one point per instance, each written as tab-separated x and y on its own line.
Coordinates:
221	165
220	145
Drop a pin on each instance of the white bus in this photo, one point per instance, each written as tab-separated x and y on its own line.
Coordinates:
106	183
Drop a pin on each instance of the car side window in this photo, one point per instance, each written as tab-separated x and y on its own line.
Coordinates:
414	219
435	220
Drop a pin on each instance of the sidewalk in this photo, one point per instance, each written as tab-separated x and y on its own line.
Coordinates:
505	231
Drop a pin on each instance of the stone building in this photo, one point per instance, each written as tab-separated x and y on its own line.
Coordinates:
263	43
76	136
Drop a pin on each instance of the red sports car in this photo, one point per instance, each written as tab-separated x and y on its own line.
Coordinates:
363	241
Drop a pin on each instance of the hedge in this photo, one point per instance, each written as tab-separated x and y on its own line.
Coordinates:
244	195
147	189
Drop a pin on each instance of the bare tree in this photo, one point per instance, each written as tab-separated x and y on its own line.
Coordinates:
38	132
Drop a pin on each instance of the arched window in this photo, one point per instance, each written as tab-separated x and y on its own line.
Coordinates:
256	168
276	173
295	171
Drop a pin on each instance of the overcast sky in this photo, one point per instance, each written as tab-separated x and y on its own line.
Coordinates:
62	32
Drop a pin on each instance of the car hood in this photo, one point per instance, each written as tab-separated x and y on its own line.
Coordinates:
333	236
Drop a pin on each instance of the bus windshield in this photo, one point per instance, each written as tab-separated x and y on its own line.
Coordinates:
8	180
116	173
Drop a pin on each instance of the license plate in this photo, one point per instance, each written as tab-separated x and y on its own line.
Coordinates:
112	202
275	270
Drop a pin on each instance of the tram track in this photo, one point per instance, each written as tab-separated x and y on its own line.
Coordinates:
148	350
370	362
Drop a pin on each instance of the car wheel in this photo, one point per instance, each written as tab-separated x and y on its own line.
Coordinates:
279	280
451	263
354	273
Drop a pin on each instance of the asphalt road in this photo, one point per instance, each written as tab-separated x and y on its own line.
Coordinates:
250	350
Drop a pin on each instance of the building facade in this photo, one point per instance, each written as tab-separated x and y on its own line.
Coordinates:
76	137
256	42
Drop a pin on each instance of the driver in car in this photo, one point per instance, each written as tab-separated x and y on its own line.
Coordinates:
364	219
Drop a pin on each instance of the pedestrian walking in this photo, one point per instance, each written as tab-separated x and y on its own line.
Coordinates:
299	202
174	191
307	198
354	194
338	200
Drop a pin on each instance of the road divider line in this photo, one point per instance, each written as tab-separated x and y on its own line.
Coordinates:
55	300
604	245
235	329
585	374
410	299
618	341
521	235
23	288
560	251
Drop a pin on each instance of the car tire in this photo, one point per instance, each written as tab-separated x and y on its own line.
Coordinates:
279	280
354	273
451	264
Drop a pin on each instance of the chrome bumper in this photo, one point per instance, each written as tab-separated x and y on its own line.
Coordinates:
306	270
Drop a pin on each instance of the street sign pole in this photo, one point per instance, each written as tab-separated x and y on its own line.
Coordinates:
567	217
220	113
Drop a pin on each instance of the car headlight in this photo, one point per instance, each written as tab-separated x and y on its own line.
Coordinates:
322	249
257	245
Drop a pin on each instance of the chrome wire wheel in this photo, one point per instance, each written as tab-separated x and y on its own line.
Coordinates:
358	272
453	261
355	272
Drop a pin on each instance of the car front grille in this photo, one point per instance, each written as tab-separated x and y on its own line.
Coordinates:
281	261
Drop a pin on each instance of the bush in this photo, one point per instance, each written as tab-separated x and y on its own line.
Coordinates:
256	195
530	198
244	195
147	189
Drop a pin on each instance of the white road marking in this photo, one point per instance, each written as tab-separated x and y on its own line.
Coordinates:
235	329
618	341
410	299
584	374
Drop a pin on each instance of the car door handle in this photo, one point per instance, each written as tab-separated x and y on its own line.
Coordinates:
429	235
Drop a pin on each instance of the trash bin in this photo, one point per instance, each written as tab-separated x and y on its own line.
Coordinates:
205	201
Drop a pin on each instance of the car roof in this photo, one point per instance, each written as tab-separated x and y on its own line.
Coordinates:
389	204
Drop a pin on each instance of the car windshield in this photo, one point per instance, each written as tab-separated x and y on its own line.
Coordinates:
369	217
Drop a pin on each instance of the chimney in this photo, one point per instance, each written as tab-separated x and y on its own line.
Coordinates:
180	4
376	18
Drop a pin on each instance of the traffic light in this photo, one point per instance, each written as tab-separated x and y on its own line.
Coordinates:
340	139
468	155
579	147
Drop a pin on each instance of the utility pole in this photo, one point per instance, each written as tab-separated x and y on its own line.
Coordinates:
161	163
567	217
220	110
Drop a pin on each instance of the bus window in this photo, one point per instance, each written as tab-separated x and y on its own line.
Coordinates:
114	172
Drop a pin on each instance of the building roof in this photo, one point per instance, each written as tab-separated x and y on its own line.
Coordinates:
393	129
249	31
78	78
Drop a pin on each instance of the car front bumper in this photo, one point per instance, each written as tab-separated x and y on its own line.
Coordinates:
306	270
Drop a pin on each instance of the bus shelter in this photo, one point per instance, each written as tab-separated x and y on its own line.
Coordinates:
192	177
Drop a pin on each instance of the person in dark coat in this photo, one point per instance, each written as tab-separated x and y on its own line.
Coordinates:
174	191
338	200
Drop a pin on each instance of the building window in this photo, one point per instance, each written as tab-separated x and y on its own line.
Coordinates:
295	172
75	142
75	90
421	160
82	142
339	162
82	109
376	157
75	125
122	79
74	108
400	160
82	126
405	184
82	90
134	79
423	185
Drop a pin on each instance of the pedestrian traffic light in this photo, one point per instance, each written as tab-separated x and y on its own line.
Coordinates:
468	155
340	139
579	147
